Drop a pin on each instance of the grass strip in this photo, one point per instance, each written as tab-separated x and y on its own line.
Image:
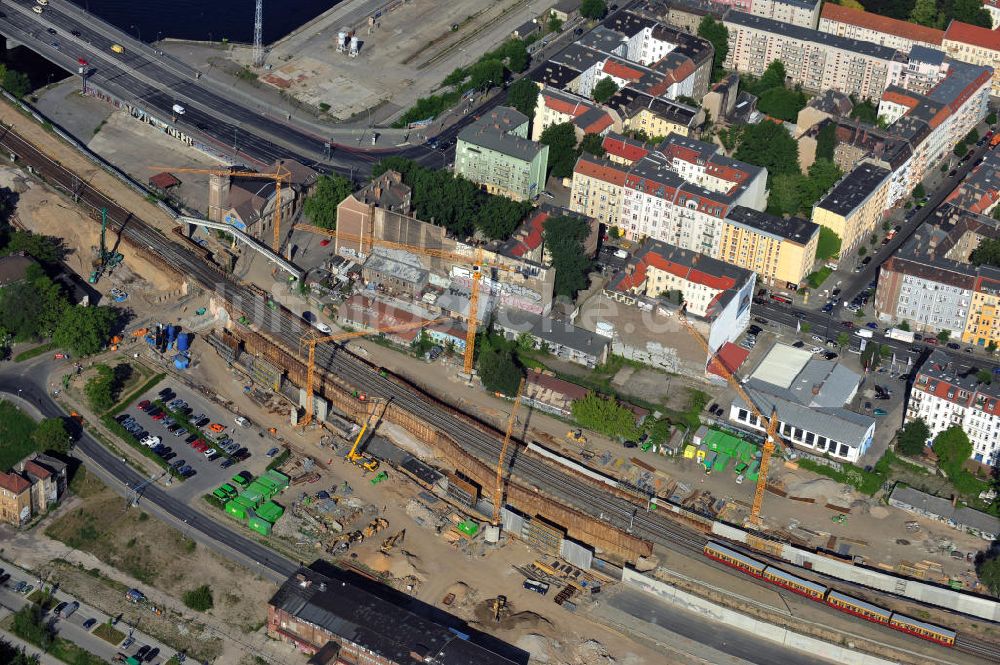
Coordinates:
35	352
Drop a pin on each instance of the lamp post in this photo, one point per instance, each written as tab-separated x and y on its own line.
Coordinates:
138	32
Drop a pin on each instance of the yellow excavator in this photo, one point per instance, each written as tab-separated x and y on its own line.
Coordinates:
367	462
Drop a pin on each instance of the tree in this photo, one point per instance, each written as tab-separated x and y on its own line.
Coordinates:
593	144
15	656
960	149
826	141
44	249
871	357
515	52
986	253
925	12
199	599
498	216
604	90
919	191
605	415
805	327
554	24
14	82
862	251
716	33
782	103
31	309
968	11
952	447
864	111
991	347
828	245
988	570
943	336
51	434
561	139
321	206
823	174
593	9
991	118
843	339
903	325
768	144
984	376
786	194
523	95
85	330
485	74
972	136
499	371
30	625
99	389
913	437
564	237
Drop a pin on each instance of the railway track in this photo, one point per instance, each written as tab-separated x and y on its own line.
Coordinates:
480	439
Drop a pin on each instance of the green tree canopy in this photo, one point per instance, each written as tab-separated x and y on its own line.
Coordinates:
199	599
15	82
943	335
828	245
593	144
14	655
768	144
604	90
925	12
51	434
953	448
606	416
786	194
913	437
903	325
564	237
32	308
782	103
988	570
499	371
44	249
984	376
486	73
561	139
554	24
716	33
593	9
523	95
823	174
826	141
321	206
864	111
919	191
966	11
843	339
102	389
85	330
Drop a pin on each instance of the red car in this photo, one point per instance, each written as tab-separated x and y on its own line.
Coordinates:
324	242
847	324
144	405
932	341
159	416
200	446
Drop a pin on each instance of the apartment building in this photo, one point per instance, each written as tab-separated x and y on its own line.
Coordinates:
365	213
930	283
979	191
868	27
993	8
947	393
344	618
716	295
781	251
975	45
598	187
496	153
855	205
625	150
655	116
802	13
810	397
555	107
815	60
249	204
31	488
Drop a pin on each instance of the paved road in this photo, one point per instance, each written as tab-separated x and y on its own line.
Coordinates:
708	633
27	380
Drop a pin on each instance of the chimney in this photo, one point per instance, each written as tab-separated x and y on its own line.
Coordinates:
378	192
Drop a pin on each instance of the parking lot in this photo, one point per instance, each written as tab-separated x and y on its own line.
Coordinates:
223	445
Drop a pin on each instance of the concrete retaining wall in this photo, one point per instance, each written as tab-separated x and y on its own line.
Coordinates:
761	629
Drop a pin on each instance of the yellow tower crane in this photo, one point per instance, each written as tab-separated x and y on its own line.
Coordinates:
477	265
498	490
311	342
772	422
280	177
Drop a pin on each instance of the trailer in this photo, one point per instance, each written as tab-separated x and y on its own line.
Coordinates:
901	335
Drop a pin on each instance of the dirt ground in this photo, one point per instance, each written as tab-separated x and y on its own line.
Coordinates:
97	550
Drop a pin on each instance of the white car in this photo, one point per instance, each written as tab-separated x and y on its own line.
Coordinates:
242	422
151	441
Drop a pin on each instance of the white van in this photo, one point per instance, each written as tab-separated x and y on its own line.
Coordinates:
178	109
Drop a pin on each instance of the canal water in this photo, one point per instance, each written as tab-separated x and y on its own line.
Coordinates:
209	20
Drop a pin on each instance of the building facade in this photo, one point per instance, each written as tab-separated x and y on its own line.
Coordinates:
947	393
855	205
781	251
815	60
802	13
33	487
554	107
868	27
976	46
496	153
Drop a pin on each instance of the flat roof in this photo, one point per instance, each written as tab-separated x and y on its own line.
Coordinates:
854	189
794	229
808	35
781	365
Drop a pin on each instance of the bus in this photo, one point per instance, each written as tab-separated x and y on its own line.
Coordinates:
780	297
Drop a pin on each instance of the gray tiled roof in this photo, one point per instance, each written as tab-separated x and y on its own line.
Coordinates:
808	35
795	229
942	508
555	332
838	424
492	132
854	189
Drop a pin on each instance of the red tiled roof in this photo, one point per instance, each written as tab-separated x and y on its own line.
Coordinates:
627	149
14	483
598	125
688	273
621	71
731	357
570	391
891	26
565	106
37	470
973	34
897	97
596	169
530	236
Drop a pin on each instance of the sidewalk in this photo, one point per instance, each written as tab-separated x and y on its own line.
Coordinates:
43	658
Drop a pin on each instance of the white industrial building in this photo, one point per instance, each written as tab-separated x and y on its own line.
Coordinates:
947	392
810	396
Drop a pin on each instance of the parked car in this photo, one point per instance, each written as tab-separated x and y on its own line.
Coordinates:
90	623
954	345
144	405
226	463
151	441
166	393
272	452
243	422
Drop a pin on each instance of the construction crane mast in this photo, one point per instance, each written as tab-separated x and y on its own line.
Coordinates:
477	266
281	176
311	342
772	423
498	490
258	34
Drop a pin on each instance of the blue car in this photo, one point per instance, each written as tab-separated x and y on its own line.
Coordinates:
872	325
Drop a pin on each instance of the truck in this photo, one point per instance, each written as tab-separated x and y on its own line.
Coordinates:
68	611
864	332
901	335
178	109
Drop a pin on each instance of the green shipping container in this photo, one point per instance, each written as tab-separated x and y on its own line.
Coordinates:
257	486
270	511
280	479
721	462
132	660
253	497
261	526
236	509
468	527
272	487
